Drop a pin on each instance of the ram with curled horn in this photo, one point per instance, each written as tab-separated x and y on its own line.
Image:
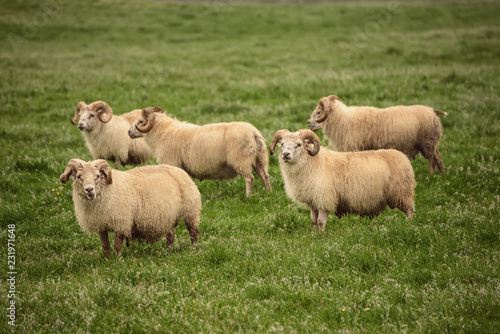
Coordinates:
131	203
363	183
216	151
410	129
106	134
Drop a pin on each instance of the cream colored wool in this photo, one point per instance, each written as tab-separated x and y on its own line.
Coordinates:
409	129
144	203
214	151
106	136
363	183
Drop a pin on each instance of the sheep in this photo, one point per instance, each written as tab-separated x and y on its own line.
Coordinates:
106	135
215	151
409	129
144	203
363	183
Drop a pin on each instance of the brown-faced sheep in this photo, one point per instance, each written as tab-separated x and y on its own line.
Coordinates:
214	151
106	134
363	183
144	203
409	129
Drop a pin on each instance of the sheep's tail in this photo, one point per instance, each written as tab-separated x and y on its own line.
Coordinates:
262	161
439	112
262	156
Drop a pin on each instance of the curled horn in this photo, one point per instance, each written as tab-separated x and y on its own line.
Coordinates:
277	137
312	138
158	109
103	167
104	111
149	114
79	108
326	103
71	169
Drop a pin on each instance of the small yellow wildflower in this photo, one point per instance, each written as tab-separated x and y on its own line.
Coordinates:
50	142
57	193
192	288
367	309
343	310
196	282
53	189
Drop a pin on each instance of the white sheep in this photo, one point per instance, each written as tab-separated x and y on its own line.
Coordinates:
409	129
363	183
106	135
144	203
214	151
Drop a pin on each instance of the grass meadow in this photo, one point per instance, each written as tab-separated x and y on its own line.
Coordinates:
258	266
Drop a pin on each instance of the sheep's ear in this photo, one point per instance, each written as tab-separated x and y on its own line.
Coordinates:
310	138
105	169
71	169
277	139
78	110
149	114
158	109
326	105
309	146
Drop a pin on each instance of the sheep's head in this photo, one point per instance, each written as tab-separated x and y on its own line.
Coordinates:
322	111
293	144
88	116
90	177
145	122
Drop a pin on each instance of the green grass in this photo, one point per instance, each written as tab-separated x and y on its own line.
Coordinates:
258	266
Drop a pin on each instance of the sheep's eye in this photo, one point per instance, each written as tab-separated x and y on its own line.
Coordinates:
299	145
79	177
91	115
318	112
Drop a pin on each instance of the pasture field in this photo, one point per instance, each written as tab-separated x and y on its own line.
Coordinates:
258	266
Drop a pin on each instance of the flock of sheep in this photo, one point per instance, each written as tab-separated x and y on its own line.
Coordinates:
368	171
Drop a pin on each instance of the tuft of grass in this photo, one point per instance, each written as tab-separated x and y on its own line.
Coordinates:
258	266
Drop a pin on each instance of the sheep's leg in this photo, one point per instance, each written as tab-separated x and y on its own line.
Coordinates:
439	160
249	182
118	243
432	164
193	230
428	151
261	172
118	164
105	243
322	218
314	218
171	236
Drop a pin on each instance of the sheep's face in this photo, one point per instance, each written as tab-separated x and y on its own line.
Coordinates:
317	114
322	111
89	119
292	146
133	132
90	180
312	124
145	123
90	177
